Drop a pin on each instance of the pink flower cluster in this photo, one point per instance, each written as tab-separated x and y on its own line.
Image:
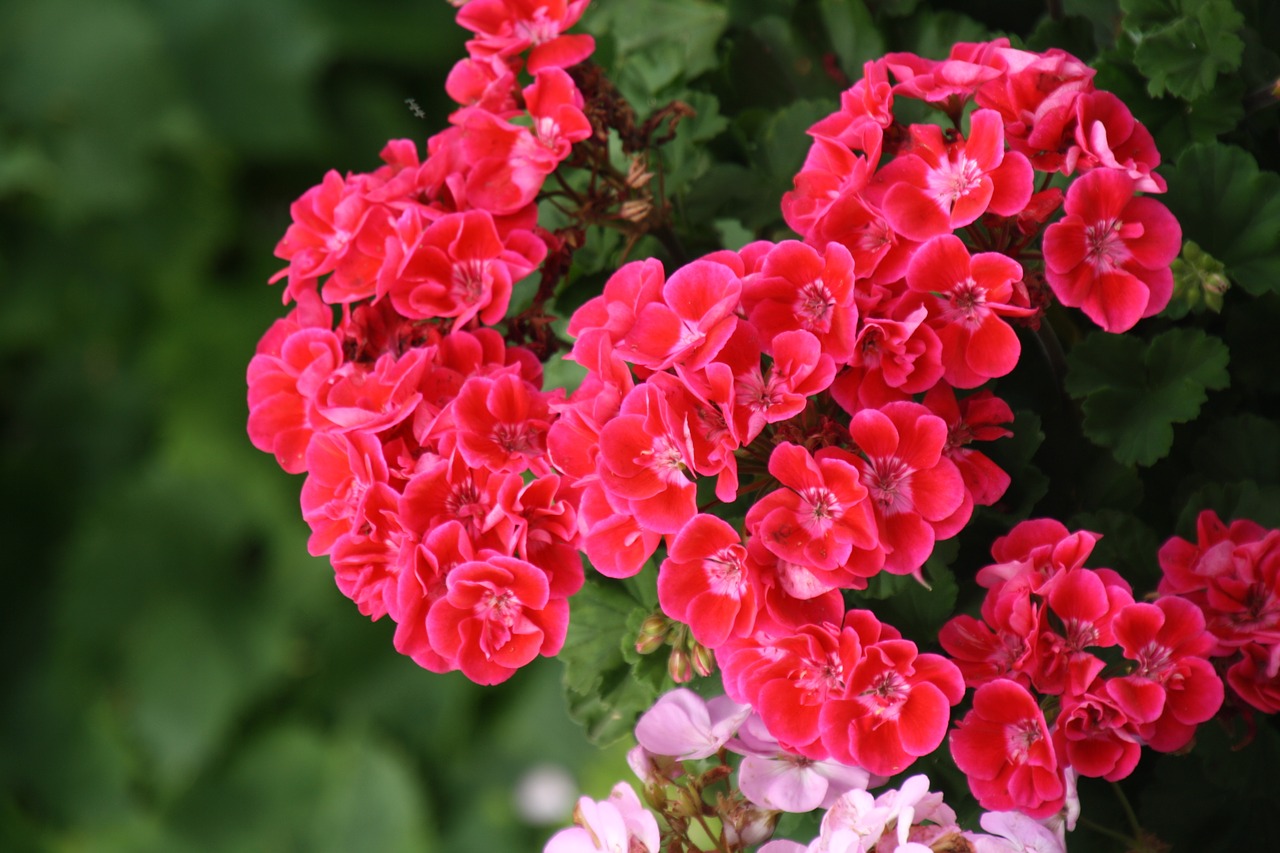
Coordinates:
682	728
1034	112
1042	642
1232	573
422	433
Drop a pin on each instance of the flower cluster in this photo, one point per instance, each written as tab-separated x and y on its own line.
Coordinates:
421	430
1232	573
774	426
682	729
817	379
1042	643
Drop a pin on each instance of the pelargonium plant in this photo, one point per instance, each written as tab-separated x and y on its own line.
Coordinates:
748	455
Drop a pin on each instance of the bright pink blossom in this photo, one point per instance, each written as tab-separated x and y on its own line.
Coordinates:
507	27
1110	254
801	289
914	490
978	417
706	581
502	424
942	186
975	292
895	707
346	482
1172	687
821	518
1003	746
458	266
496	616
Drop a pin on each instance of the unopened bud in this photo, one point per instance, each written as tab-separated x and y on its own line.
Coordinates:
636	209
704	660
637	174
745	824
653	633
679	666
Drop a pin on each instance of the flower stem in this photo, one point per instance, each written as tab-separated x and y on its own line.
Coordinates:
1130	843
1129	813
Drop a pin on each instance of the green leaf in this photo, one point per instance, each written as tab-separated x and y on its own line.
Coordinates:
903	602
1245	499
853	34
1133	394
294	788
605	692
1230	209
660	41
1183	45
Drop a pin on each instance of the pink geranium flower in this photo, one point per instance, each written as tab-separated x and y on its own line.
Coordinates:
914	490
1110	254
619	824
706	581
684	726
1003	746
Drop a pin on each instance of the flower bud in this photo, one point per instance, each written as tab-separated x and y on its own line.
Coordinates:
744	824
680	667
637	174
653	633
704	660
636	209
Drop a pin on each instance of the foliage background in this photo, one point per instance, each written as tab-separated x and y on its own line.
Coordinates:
179	675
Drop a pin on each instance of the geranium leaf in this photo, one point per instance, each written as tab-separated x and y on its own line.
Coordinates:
604	691
1183	45
853	34
1134	394
1231	210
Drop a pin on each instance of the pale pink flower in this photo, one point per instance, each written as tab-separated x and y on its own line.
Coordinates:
1017	834
619	824
685	726
774	778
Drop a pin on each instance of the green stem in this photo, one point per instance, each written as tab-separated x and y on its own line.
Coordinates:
1130	843
1129	813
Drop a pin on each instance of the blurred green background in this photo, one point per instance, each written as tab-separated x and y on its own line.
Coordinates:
178	674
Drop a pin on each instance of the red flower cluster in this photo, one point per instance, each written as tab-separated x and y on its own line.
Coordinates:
1040	643
1232	573
1035	112
423	434
855	691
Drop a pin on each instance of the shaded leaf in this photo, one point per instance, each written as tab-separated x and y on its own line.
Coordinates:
1230	209
605	692
1183	45
1133	394
854	36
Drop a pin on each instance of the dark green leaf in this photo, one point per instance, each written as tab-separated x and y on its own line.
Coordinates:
1127	545
1134	394
853	34
660	41
1183	45
1014	455
1232	210
1243	499
903	602
605	692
